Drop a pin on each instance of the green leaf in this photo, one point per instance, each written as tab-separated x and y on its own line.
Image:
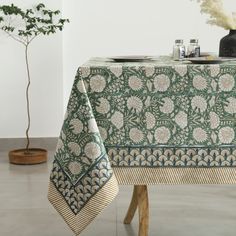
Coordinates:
40	6
32	22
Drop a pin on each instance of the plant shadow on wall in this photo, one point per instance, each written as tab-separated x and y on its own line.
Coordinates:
219	17
24	26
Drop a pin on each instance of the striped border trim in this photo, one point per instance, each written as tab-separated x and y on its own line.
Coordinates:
93	207
151	176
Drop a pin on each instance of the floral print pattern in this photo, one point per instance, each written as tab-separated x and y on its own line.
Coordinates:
147	105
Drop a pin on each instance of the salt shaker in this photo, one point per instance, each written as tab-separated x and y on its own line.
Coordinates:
193	48
178	50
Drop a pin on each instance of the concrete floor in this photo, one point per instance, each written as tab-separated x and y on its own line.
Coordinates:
174	210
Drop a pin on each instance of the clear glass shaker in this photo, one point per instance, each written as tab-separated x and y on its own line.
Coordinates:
193	48
178	50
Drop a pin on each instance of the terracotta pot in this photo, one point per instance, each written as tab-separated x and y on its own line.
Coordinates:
28	157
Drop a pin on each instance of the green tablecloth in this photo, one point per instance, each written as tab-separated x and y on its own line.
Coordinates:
157	122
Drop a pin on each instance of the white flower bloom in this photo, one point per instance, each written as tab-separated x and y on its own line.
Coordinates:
231	106
226	135
134	102
168	106
162	135
150	120
81	86
97	83
181	69
136	135
117	119
226	82
149	70
199	135
181	119
214	70
74	167
74	148
85	71
103	133
104	106
92	150
135	83
214	120
161	82
199	103
116	70
199	82
92	125
77	126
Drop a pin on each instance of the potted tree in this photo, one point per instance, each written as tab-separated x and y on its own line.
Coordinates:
31	23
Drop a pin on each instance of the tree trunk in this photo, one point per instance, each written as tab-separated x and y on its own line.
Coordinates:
27	98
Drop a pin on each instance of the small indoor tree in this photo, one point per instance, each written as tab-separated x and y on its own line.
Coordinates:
24	26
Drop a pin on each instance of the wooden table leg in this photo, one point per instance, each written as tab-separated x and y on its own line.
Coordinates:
140	200
132	207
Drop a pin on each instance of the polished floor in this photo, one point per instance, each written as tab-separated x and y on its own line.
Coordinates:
174	210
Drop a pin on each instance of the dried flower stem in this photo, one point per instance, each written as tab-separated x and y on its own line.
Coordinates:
218	15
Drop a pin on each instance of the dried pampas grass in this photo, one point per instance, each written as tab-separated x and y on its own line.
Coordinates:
218	15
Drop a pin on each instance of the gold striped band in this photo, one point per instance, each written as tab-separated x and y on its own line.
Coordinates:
92	208
149	176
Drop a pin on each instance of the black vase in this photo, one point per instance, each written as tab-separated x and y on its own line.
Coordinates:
228	45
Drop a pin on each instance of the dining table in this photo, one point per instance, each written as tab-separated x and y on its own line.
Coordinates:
145	122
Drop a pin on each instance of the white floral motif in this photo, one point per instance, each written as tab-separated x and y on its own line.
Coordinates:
231	106
135	83
199	82
199	134
104	106
149	70
150	120
117	71
117	119
85	71
162	134
74	148
181	69
74	167
215	70
168	106
199	103
103	133
134	102
181	119
161	82
92	125
136	135
226	135
77	126
214	120
97	83
92	150
226	82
